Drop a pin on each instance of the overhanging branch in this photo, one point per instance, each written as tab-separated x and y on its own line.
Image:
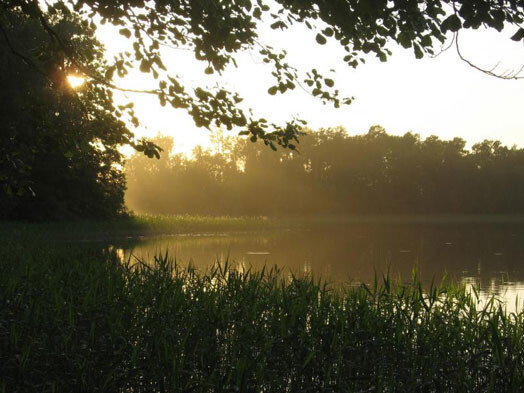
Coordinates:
507	75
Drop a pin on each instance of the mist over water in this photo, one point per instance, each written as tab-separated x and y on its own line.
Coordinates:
342	176
487	257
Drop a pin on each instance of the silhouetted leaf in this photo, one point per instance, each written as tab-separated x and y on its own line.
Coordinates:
451	23
328	32
145	66
519	35
418	51
125	32
272	90
321	39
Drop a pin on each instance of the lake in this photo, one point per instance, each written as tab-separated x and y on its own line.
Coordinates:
489	257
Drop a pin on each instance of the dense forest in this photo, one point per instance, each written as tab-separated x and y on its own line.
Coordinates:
333	173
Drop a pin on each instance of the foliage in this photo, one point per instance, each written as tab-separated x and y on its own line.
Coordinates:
215	31
69	166
334	173
74	320
58	147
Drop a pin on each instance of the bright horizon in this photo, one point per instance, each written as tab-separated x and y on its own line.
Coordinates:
440	96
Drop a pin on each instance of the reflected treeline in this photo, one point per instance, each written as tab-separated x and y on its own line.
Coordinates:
334	173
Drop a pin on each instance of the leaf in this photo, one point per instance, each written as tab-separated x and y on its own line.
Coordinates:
404	39
278	25
519	35
418	52
426	40
498	18
257	12
201	94
321	39
125	32
329	82
109	73
328	32
145	65
452	23
308	359
272	90
209	70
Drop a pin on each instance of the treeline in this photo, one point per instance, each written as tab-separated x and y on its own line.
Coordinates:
333	173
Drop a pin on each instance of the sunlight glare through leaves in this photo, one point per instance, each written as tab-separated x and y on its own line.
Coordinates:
75	81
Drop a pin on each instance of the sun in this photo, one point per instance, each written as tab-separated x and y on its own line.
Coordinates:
75	81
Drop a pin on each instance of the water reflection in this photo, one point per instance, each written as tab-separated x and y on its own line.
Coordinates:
486	257
509	293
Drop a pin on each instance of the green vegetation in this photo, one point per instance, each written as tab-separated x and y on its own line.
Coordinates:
139	225
59	154
216	31
144	225
76	320
334	174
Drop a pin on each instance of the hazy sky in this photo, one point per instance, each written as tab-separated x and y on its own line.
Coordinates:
441	96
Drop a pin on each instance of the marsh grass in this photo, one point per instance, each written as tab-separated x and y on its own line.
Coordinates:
138	226
73	320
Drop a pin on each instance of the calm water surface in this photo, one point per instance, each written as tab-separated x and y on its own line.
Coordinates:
485	256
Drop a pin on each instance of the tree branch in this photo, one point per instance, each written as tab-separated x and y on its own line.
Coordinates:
19	54
444	48
508	75
71	57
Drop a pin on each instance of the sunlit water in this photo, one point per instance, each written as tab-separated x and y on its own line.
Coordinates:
489	258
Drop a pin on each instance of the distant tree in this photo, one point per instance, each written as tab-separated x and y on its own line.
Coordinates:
335	173
216	30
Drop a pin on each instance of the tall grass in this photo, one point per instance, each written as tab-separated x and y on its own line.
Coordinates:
72	320
139	225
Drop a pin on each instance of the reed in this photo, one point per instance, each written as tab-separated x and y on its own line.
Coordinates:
76	320
139	225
